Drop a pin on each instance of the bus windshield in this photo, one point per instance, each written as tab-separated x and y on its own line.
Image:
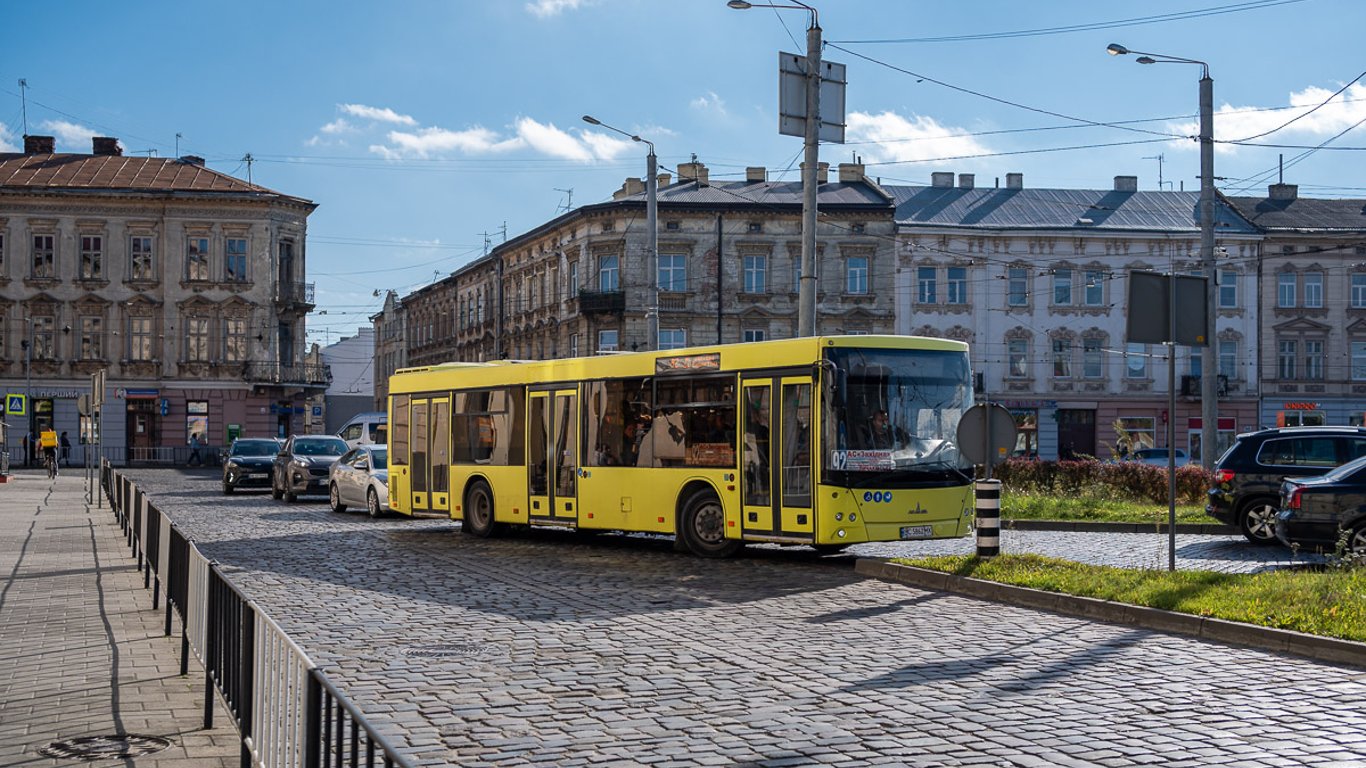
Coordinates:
892	416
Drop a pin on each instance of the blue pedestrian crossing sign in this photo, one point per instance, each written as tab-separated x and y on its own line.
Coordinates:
16	405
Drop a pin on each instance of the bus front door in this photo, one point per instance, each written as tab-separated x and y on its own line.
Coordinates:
552	458
439	456
421	477
776	459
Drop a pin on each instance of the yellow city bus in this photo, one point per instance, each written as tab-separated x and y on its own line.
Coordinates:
819	441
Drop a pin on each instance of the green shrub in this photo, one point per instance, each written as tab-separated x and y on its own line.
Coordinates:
1128	480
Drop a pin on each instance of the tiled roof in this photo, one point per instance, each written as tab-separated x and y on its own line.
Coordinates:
116	173
1105	209
1303	214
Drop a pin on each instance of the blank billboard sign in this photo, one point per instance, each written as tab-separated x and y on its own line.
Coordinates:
1148	318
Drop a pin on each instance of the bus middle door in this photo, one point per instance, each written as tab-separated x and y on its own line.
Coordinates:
776	459
552	457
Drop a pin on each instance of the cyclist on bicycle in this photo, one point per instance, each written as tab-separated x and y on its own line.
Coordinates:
48	441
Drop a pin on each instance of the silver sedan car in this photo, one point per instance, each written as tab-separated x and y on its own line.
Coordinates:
361	478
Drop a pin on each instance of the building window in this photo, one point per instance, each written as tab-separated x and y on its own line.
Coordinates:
44	338
92	338
609	273
926	288
754	334
1228	358
1062	358
755	227
673	273
1228	288
1359	290
673	338
235	259
1017	358
197	339
1313	290
139	338
44	257
607	341
235	339
1142	431
1092	359
1062	287
1094	295
1287	351
573	345
1313	360
1017	286
141	262
856	274
1287	285
958	285
756	274
92	257
1359	361
573	279
673	226
197	259
1136	361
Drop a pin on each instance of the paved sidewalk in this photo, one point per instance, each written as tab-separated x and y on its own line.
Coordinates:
81	652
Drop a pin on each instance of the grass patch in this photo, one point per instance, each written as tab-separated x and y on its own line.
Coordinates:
1091	508
1330	602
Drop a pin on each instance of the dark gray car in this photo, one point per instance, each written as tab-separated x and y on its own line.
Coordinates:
1317	512
302	465
247	463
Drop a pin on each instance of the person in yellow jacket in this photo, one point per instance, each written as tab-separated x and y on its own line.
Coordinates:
48	440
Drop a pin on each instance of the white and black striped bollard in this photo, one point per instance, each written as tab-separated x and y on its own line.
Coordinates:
988	518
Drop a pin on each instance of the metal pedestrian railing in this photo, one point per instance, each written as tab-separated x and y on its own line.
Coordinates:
288	713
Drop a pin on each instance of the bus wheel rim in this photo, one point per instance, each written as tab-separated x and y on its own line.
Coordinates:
708	523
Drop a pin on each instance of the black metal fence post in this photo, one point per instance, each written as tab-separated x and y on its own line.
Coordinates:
210	650
246	679
313	715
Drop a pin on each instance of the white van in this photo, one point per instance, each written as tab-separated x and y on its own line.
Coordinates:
366	429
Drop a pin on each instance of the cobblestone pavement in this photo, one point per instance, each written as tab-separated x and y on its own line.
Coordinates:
551	649
82	656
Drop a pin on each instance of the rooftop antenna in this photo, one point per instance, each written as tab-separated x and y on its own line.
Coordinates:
569	201
1159	159
147	152
178	137
248	159
1280	168
505	231
487	243
23	98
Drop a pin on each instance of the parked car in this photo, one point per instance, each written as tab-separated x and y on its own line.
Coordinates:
302	465
1248	476
370	428
247	462
1315	511
1157	457
361	476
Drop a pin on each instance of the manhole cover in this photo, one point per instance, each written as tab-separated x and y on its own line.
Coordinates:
453	651
105	747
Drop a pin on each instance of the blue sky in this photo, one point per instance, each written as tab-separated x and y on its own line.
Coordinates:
419	126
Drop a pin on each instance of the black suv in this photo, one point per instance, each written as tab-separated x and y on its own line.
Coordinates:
1248	476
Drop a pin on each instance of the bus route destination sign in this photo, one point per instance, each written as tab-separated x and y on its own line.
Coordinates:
707	362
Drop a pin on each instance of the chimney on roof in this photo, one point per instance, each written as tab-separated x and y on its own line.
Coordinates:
1283	191
756	174
851	172
822	172
662	180
39	145
1126	183
966	181
192	160
1014	181
633	186
693	171
105	145
941	179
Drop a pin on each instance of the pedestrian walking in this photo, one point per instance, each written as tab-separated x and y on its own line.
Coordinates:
195	458
66	450
26	443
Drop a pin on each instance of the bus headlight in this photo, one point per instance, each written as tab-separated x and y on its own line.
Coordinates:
839	534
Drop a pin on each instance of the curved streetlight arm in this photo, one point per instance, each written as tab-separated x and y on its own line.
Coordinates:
594	121
741	5
1115	49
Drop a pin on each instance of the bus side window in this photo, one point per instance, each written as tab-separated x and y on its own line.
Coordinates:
399	456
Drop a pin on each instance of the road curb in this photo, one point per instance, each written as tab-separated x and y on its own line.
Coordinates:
1202	529
1219	630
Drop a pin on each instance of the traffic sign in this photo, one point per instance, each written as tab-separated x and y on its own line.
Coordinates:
986	434
16	405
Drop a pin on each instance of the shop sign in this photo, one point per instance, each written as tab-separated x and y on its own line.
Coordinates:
1301	406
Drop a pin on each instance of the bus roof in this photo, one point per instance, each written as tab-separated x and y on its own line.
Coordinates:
716	357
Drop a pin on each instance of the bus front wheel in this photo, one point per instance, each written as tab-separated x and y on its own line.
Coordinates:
478	519
703	527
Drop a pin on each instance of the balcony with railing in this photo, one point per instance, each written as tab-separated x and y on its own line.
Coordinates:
287	374
602	302
294	293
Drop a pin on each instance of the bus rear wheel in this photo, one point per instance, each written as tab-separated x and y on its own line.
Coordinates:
702	527
478	520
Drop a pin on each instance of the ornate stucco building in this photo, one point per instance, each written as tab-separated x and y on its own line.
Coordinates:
186	285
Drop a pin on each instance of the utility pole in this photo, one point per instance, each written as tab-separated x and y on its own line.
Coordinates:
806	295
23	100
1209	378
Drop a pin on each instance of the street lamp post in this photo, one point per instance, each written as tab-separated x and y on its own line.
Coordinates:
1209	384
652	225
806	295
28	389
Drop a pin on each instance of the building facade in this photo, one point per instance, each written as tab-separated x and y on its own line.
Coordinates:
184	285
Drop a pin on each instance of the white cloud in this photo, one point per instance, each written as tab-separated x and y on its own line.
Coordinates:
893	138
1236	123
427	142
526	134
70	135
377	114
338	126
549	140
7	139
605	147
709	102
547	8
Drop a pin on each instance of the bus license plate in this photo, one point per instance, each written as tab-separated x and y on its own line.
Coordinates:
917	532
